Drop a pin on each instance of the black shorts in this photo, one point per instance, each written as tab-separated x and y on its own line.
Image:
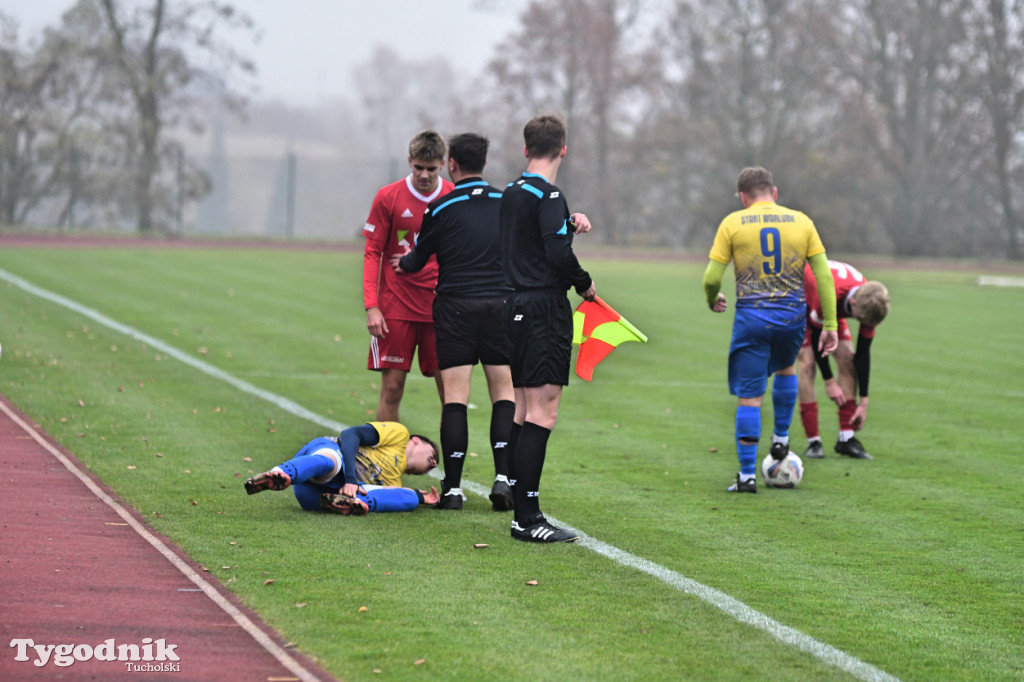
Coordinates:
540	326
469	329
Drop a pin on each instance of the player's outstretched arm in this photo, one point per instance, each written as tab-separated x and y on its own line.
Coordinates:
717	301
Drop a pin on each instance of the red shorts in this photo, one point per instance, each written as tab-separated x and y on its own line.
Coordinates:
844	333
396	349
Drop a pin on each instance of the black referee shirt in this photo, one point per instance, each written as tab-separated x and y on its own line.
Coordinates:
461	227
536	237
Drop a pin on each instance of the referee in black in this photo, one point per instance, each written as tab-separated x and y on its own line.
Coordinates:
536	246
461	227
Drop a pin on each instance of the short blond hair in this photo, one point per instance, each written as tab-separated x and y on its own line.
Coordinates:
429	146
871	303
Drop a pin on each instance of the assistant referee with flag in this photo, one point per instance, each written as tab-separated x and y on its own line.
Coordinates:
536	245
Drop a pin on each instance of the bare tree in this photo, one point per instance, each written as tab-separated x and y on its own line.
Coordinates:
577	58
154	52
46	92
997	34
400	98
746	86
905	97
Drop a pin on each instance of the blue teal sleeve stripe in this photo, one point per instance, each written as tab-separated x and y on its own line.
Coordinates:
464	197
533	190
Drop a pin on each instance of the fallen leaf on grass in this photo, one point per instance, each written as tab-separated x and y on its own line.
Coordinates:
130	466
363	609
247	459
194	503
531	582
300	605
268	581
712	449
420	662
81	404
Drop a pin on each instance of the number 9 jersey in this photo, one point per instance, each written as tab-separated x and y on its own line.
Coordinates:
768	245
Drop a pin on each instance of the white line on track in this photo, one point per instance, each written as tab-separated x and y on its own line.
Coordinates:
733	607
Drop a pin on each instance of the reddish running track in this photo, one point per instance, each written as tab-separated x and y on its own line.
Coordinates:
81	568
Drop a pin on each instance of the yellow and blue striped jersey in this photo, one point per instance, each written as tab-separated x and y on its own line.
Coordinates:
768	245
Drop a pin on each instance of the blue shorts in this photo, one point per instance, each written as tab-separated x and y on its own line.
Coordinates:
760	347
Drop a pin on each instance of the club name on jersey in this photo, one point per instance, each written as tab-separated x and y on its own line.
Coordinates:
767	218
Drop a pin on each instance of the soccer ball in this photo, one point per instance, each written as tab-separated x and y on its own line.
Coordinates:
785	473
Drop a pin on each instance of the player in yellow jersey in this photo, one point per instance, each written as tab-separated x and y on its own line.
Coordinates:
358	472
768	245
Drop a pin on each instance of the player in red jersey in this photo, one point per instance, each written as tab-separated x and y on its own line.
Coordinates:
868	302
399	312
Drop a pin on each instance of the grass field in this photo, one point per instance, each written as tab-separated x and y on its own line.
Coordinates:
906	567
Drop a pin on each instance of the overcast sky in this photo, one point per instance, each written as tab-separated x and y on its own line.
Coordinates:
309	47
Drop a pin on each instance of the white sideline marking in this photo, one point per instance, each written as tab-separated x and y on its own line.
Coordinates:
206	368
733	607
203	585
993	281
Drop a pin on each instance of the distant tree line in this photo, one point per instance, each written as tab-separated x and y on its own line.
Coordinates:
84	112
896	124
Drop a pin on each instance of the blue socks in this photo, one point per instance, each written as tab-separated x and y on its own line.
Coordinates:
305	467
391	499
748	426
783	402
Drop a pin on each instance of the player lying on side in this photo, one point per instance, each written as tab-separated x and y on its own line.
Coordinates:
358	472
868	303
